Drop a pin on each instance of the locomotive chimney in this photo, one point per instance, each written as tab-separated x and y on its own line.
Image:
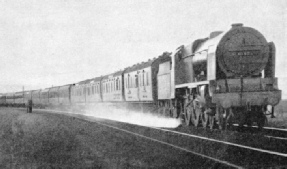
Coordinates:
236	25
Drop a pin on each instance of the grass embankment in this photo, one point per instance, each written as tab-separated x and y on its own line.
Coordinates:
36	141
44	140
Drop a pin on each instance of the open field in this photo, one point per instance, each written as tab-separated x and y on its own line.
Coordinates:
38	141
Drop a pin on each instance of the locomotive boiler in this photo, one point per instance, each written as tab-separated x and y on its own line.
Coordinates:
225	78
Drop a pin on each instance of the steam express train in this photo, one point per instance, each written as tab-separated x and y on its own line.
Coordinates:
212	82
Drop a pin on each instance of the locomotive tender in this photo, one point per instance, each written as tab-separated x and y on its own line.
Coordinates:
225	78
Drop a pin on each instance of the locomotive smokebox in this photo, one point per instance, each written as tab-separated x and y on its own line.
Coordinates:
242	52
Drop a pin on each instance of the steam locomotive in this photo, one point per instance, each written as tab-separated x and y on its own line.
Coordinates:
212	82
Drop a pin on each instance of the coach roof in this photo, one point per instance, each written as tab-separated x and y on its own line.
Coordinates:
118	73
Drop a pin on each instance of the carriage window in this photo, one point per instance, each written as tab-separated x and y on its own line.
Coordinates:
117	84
129	81
132	82
110	86
120	85
140	79
147	79
114	85
143	75
136	81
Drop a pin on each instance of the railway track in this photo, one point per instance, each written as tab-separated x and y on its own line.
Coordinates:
275	133
223	153
270	132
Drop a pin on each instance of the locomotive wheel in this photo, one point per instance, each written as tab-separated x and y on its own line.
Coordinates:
174	112
187	115
249	122
204	119
242	119
229	118
161	111
196	116
166	112
221	119
261	119
211	120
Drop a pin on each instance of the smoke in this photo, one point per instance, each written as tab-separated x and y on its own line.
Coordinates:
132	117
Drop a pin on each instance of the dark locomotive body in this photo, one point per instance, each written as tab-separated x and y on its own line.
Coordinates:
227	77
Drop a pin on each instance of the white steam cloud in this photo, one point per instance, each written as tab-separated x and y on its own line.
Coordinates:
132	117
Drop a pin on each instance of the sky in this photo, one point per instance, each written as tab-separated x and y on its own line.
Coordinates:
46	43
